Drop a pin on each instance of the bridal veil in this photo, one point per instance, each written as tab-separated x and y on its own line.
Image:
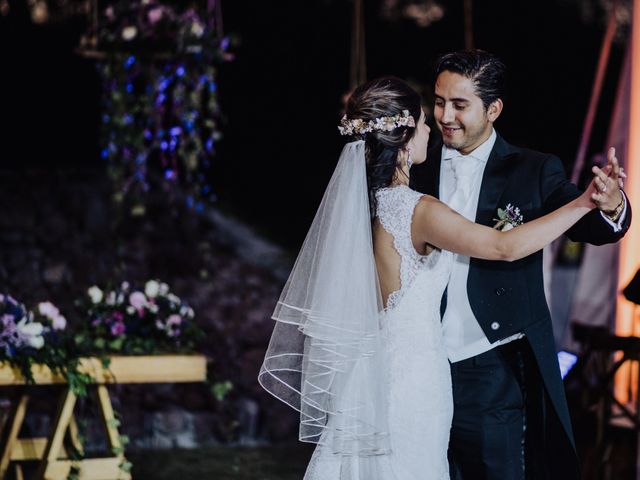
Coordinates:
325	356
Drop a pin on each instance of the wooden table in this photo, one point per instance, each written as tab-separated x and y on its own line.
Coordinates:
49	452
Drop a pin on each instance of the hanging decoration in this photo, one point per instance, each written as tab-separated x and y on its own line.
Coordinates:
161	118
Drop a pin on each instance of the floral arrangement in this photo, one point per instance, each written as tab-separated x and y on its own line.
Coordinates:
36	336
134	321
358	126
508	218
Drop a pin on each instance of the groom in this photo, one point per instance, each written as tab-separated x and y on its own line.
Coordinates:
510	413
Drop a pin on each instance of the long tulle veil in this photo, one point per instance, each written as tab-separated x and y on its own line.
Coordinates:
325	357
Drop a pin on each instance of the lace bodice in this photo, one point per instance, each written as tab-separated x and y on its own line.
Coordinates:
395	207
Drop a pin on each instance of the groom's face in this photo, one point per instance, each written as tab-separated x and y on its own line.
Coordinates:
460	113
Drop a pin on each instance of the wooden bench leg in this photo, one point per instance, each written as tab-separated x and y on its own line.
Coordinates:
15	419
53	450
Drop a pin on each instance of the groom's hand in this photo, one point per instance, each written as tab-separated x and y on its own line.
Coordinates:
608	182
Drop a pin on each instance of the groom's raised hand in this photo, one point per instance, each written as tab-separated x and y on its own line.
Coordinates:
608	182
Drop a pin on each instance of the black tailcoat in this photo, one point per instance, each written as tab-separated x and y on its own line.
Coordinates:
511	294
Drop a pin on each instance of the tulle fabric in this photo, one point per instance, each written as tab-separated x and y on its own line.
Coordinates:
325	356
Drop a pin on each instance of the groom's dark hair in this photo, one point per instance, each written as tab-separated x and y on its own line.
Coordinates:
484	69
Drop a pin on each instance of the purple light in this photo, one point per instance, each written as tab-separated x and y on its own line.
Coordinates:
226	41
212	87
147	134
162	86
161	98
104	153
129	61
175	131
129	87
180	71
567	361
209	144
190	201
169	174
164	145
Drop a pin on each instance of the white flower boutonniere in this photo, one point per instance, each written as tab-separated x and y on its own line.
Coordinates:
508	218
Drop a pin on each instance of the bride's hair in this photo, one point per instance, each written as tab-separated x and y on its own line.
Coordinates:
383	97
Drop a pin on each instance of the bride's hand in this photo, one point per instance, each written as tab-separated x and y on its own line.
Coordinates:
587	197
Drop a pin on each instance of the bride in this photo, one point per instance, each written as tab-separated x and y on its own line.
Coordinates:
357	346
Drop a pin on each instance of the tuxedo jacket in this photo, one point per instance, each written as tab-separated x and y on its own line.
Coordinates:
508	297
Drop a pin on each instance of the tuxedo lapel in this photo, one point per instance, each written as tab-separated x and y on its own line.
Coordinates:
494	180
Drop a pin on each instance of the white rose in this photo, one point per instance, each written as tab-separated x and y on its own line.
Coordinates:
164	288
507	227
129	33
152	289
36	342
173	298
32	329
95	294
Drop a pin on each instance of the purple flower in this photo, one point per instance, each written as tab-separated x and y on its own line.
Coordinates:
118	328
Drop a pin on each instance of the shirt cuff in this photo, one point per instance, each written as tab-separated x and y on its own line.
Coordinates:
617	226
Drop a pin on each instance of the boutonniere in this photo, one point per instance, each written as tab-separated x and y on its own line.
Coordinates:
508	218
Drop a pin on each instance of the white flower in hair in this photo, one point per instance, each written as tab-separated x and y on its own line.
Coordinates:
358	126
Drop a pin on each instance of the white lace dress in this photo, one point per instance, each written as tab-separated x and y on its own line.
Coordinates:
418	374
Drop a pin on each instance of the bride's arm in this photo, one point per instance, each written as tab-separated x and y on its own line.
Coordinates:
438	225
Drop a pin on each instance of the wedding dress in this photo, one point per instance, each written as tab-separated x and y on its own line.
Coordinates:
416	372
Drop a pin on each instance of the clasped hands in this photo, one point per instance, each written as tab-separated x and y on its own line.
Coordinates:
608	182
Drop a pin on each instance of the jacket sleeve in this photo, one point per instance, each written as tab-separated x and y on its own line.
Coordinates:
556	190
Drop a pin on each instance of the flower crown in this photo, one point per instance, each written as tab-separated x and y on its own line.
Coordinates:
357	126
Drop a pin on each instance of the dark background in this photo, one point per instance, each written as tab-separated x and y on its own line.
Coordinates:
282	95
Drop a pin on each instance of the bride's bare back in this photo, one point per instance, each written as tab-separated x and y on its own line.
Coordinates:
388	259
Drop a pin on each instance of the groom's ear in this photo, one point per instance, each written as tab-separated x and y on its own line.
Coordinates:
494	110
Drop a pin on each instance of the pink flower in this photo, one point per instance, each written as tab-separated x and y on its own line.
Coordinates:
174	320
137	300
49	310
59	323
154	15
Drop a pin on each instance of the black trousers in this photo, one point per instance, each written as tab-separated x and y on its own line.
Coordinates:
499	416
